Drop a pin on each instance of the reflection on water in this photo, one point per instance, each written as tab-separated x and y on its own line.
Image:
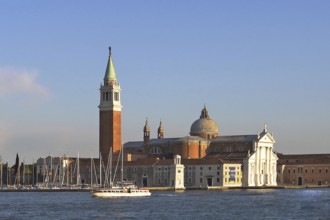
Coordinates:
197	204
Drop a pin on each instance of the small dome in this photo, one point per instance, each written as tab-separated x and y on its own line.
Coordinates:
204	126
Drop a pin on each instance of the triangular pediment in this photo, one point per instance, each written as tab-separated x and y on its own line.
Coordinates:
266	138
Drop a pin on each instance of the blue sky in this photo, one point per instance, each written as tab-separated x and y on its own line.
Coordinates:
249	62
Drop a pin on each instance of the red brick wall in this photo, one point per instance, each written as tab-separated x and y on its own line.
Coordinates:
192	150
110	132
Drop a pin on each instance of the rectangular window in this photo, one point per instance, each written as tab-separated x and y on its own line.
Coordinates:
218	180
201	168
306	171
320	170
116	96
201	180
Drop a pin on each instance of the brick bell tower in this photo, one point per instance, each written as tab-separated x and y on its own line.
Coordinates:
110	113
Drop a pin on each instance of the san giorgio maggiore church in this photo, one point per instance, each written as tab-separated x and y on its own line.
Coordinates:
202	159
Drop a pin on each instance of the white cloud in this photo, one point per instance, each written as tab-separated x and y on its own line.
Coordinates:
21	82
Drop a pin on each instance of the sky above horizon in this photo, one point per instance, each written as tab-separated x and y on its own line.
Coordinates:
249	62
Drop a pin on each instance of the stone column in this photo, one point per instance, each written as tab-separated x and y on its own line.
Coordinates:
256	167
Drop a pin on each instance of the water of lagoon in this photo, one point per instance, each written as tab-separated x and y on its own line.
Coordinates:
195	204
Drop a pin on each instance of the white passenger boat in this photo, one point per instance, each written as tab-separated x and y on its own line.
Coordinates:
120	192
120	189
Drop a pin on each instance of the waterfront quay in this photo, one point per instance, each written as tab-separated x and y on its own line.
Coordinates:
88	189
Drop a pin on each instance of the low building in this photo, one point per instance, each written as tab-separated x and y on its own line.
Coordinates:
155	172
212	173
303	170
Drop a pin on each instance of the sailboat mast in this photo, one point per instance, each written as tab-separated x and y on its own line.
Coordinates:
110	174
122	164
78	174
91	171
32	172
51	170
100	169
23	179
1	174
67	172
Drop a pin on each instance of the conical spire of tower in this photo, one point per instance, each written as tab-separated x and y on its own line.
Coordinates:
146	126
110	77
146	132
160	130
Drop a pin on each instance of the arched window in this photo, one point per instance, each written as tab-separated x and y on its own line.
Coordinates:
155	150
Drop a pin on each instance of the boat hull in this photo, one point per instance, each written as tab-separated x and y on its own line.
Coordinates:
120	193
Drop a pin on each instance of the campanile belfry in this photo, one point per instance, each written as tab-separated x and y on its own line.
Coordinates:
110	112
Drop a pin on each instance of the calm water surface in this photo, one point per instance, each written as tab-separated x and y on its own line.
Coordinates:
232	204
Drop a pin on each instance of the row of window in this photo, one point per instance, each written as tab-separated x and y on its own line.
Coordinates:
232	173
306	180
189	168
232	180
107	96
210	168
165	181
226	168
300	170
201	173
201	180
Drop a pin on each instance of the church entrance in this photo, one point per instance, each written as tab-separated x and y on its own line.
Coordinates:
145	181
209	181
299	181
